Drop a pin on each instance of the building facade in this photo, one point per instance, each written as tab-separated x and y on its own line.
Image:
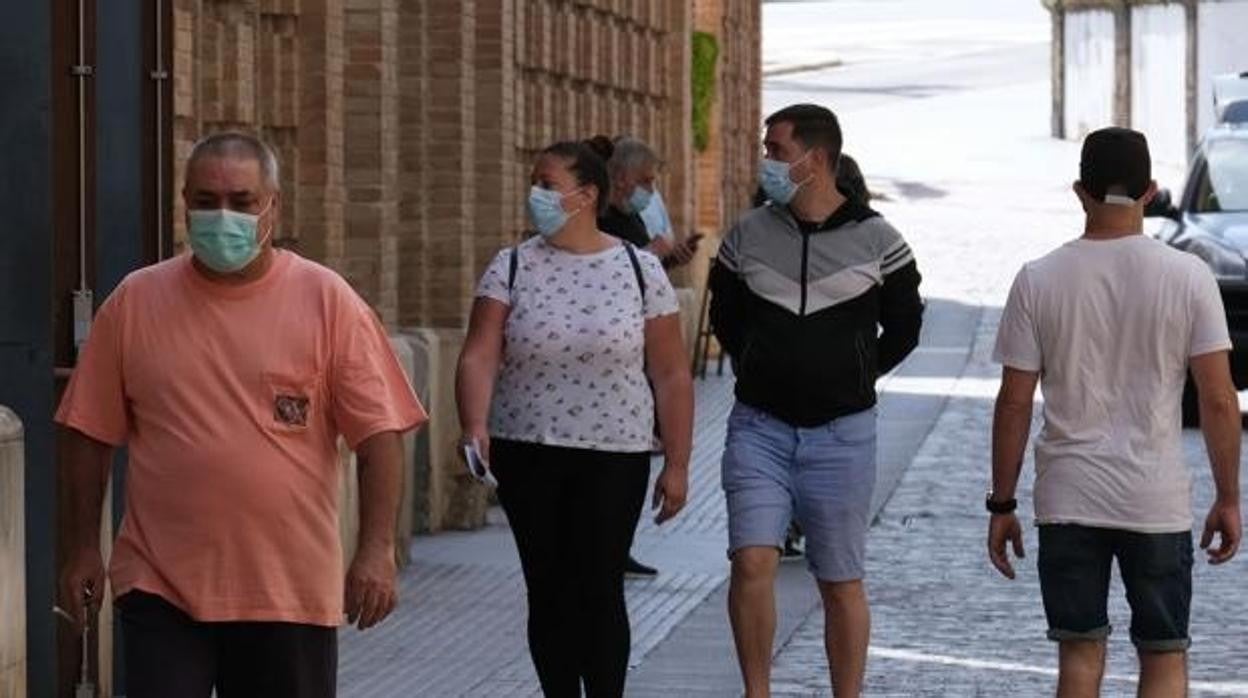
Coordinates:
405	129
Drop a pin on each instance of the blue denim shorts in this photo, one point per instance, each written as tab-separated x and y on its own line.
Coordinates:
821	476
1075	564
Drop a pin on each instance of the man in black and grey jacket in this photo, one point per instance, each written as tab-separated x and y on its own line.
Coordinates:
814	296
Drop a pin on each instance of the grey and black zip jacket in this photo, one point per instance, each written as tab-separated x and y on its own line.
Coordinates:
811	319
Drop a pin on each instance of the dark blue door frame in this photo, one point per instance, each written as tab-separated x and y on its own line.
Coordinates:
26	358
121	180
123	201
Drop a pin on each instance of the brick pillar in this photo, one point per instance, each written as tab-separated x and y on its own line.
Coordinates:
450	263
413	175
497	178
676	75
371	103
319	174
185	106
277	105
709	17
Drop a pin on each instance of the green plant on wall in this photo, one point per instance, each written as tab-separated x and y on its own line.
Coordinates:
705	54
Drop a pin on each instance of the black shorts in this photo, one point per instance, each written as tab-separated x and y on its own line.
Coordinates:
168	654
1156	570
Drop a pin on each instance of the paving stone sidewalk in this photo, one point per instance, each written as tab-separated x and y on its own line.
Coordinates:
460	626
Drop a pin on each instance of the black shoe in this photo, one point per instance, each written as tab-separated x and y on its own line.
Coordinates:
636	569
793	549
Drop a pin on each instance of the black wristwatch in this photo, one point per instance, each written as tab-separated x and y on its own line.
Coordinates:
1003	506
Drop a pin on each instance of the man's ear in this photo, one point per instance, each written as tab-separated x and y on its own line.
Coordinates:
1150	193
818	162
1084	197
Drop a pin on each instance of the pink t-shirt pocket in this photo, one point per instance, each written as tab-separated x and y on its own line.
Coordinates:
291	401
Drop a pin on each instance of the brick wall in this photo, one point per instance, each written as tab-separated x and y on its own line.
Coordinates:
601	67
371	140
406	128
726	169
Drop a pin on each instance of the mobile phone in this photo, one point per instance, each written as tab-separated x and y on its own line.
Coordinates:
477	466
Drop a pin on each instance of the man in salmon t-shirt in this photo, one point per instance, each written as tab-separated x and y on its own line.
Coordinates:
229	374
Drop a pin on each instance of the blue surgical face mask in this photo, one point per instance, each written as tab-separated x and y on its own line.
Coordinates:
225	241
639	200
546	211
773	175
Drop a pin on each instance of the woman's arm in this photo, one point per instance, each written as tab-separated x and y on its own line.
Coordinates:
478	367
667	366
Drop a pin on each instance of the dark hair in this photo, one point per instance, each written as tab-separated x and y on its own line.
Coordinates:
586	165
244	146
814	127
603	146
850	181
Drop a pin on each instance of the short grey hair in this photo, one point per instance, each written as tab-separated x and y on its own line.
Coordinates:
243	146
630	155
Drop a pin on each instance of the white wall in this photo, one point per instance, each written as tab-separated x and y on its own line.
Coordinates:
1089	72
1159	81
1222	47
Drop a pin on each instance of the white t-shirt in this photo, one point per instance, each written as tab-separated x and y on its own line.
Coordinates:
574	347
1110	326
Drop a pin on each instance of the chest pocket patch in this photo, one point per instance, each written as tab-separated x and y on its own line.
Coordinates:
291	401
291	410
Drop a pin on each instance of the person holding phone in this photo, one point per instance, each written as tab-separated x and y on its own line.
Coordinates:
633	169
573	350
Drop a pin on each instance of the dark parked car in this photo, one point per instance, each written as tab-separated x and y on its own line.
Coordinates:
1210	220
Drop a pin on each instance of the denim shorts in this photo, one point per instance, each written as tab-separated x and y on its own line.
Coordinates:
1075	564
821	476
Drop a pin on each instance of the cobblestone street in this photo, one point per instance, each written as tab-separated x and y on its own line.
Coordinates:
947	624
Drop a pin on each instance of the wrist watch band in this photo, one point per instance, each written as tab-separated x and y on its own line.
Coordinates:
1000	506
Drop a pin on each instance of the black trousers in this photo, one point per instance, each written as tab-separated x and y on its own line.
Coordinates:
573	513
169	654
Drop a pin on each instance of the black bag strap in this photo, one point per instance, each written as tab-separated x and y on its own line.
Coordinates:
641	279
513	264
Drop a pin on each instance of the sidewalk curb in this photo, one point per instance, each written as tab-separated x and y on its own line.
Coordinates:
802	68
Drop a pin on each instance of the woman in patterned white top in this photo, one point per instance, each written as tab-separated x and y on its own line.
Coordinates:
568	333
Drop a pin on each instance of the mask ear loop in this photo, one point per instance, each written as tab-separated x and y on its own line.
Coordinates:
809	177
260	215
571	214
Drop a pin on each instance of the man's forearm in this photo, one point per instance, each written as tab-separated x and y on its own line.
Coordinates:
726	308
1220	418
1011	427
897	341
84	472
380	477
901	317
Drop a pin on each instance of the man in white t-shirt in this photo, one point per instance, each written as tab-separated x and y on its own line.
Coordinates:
1109	325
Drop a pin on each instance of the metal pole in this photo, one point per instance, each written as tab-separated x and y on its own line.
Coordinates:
159	76
83	301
